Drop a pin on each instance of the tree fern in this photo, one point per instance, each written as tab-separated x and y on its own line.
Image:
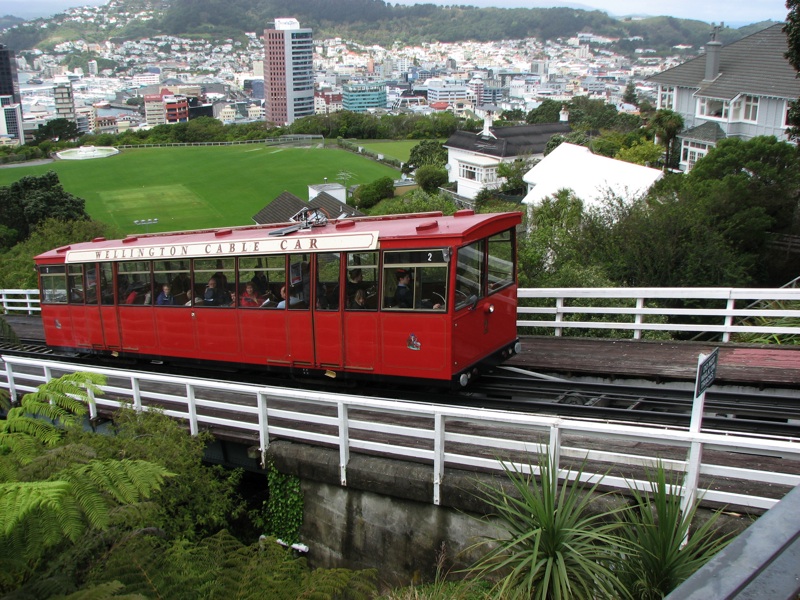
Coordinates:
37	515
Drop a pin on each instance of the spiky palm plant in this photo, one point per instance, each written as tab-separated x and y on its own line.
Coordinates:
556	546
658	560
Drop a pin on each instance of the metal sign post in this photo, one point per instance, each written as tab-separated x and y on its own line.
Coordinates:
706	372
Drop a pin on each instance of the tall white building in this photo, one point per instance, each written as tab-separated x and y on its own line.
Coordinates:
65	102
288	72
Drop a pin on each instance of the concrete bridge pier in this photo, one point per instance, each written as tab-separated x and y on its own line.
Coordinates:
385	517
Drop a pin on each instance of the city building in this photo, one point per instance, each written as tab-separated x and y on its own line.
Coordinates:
154	110
11	131
741	90
9	82
327	101
64	100
360	97
176	109
288	72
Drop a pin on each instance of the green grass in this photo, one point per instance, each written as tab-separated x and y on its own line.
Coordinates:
399	150
197	187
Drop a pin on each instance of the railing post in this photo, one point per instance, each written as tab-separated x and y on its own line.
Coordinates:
263	426
192	409
637	333
137	396
554	449
344	442
92	404
12	388
726	336
438	457
559	314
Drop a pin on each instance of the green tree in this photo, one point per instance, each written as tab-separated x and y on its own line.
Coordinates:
369	194
426	153
430	177
56	130
643	153
513	172
27	202
547	112
666	124
17	269
629	96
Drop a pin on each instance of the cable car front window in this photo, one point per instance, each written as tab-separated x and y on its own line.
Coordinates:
469	274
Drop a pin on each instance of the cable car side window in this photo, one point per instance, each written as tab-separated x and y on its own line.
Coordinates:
327	273
53	282
173	285
415	279
135	287
361	288
501	260
470	274
75	284
298	288
212	280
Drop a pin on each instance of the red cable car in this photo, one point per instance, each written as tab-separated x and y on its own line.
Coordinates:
417	297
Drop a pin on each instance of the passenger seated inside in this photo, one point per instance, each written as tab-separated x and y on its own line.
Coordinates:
214	295
293	300
404	294
249	299
165	298
359	300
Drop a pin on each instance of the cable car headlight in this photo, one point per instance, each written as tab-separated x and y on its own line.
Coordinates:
488	309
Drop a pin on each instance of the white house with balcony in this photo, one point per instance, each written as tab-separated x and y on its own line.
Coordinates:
741	90
473	158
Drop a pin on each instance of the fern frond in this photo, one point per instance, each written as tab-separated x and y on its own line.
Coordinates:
125	481
23	447
43	431
21	502
104	591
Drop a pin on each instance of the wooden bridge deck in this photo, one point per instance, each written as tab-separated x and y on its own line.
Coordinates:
659	361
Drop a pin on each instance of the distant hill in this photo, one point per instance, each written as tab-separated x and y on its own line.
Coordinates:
9	21
379	22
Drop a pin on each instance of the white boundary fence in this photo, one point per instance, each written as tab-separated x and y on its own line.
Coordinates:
626	309
619	309
442	436
20	301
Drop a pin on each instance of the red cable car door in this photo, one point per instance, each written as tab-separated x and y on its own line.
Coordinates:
327	311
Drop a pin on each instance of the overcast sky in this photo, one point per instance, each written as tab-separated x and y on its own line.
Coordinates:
732	12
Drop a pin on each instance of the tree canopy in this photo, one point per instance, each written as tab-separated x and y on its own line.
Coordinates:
32	199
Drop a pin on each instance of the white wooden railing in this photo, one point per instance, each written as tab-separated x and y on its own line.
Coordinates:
627	311
441	435
20	301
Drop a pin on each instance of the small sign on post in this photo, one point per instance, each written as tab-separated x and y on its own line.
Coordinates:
706	372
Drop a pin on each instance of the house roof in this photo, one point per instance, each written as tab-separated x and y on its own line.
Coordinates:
286	205
508	141
589	176
707	132
333	207
280	210
754	65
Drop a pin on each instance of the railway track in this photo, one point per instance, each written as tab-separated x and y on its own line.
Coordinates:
750	412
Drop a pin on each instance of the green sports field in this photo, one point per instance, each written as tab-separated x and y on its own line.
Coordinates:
196	187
